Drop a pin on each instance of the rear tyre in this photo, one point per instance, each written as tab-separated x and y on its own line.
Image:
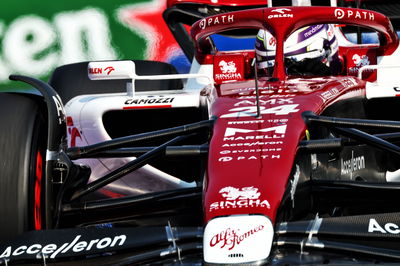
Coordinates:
23	137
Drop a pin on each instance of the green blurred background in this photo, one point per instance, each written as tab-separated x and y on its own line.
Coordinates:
37	36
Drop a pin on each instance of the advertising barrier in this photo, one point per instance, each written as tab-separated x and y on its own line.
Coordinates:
37	36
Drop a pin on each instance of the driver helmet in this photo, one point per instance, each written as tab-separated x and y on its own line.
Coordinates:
317	42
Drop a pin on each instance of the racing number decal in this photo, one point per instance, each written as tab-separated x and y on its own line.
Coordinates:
252	111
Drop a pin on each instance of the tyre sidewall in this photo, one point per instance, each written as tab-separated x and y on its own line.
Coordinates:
22	137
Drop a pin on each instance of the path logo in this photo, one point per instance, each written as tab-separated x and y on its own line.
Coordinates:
351	14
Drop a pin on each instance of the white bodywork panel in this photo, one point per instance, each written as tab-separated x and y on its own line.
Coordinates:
87	112
387	83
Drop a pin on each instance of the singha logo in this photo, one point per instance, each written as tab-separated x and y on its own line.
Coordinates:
232	193
227	67
360	61
246	197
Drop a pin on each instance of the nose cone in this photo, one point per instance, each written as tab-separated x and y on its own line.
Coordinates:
238	239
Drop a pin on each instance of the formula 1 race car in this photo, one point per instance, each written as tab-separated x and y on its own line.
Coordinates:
286	153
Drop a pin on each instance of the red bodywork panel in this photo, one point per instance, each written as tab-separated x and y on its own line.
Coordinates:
219	2
250	159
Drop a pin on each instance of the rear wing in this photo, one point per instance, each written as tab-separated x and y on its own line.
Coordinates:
127	70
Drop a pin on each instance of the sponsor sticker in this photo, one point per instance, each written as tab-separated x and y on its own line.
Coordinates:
99	70
105	70
223	19
348	167
312	30
245	197
230	238
231	131
250	151
264	102
360	60
249	158
60	108
270	91
252	144
362	15
237	239
254	134
76	245
260	121
280	13
387	228
228	68
357	58
327	95
150	102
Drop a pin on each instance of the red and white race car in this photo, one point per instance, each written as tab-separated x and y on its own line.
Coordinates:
285	153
